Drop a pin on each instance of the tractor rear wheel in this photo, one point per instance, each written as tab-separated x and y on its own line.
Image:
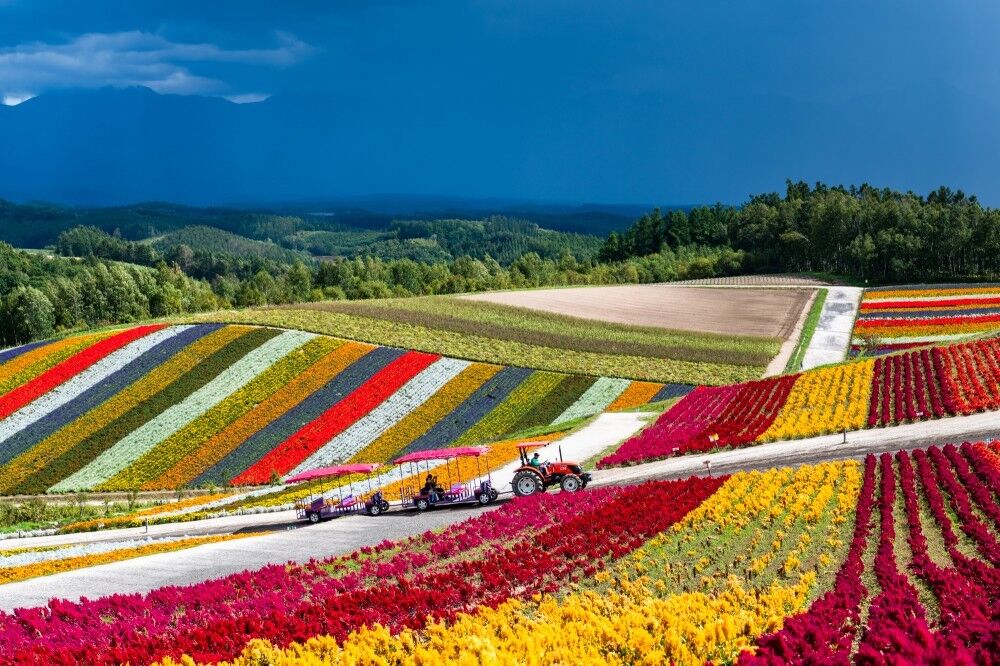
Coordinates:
526	483
571	483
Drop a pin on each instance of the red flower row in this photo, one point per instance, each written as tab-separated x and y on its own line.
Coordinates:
708	418
967	630
65	370
375	390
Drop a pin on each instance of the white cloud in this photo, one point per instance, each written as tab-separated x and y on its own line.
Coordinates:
132	58
13	99
248	98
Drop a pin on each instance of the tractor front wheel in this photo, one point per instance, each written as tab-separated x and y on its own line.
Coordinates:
571	483
526	483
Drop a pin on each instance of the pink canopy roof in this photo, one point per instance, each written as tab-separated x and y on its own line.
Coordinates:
442	454
336	470
532	445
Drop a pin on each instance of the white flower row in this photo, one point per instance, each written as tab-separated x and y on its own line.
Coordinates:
367	429
22	534
595	399
144	438
83	381
78	550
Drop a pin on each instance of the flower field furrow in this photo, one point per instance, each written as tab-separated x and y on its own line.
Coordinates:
501	419
181	446
146	433
423	418
290	384
96	395
450	427
71	447
595	399
409	397
340	416
81	382
22	395
117	468
299	402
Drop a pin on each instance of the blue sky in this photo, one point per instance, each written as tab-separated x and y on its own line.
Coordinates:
605	66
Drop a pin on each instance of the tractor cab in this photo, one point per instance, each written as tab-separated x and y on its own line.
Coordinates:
536	475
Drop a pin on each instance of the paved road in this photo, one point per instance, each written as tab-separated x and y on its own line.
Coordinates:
299	544
832	338
346	534
858	444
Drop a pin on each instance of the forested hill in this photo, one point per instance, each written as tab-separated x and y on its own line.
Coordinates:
284	236
863	232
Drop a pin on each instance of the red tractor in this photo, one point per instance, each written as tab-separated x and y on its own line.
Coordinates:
535	476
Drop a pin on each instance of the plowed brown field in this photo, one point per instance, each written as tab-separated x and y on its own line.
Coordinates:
735	311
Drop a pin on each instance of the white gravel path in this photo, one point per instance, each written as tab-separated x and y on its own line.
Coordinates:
832	338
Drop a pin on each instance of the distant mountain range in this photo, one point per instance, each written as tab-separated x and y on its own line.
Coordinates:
115	146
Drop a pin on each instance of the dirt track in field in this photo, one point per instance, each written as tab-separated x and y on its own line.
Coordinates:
770	313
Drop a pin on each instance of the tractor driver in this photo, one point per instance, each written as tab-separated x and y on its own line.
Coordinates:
537	463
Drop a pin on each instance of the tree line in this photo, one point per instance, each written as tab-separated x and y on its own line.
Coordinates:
98	279
865	233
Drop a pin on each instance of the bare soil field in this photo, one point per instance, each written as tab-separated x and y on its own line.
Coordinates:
770	313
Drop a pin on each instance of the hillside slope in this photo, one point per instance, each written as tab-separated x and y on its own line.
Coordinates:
161	406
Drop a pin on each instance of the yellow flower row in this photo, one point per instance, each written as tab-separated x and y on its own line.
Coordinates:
824	401
63	440
638	393
953	327
423	418
14	574
175	453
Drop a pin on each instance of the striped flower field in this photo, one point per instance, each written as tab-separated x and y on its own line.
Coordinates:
912	316
162	407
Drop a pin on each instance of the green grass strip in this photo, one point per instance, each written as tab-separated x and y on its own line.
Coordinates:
504	417
558	401
485	349
93	446
808	330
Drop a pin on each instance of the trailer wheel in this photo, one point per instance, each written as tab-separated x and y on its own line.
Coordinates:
526	483
485	498
313	517
494	495
570	483
423	505
384	505
375	509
